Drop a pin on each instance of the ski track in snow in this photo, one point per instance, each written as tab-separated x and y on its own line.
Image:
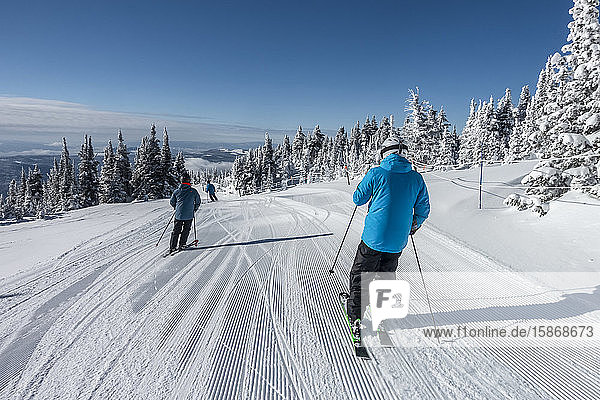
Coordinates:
111	318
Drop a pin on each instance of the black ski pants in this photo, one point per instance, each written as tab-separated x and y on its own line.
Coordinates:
213	197
372	262
181	231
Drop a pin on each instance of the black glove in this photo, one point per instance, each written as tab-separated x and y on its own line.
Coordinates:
415	227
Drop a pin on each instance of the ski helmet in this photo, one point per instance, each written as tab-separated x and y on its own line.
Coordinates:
185	178
393	145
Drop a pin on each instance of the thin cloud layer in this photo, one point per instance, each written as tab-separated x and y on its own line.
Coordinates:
43	121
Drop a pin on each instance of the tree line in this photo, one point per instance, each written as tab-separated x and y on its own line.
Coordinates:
559	124
154	175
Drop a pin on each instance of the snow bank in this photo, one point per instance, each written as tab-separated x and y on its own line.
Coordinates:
27	246
565	239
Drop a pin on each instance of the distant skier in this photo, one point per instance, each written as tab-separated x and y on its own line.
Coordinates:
399	203
185	200
210	189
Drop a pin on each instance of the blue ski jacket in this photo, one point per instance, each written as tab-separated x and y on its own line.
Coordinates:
397	194
210	188
186	201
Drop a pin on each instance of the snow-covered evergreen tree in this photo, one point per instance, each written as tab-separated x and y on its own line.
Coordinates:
469	139
237	174
268	165
67	186
311	154
298	146
504	120
365	141
52	200
340	151
179	166
517	143
286	166
449	149
561	131
355	150
34	195
524	100
112	186
170	178
383	132
417	129
88	174
22	189
123	166
319	136
542	105
558	122
148	178
490	142
12	209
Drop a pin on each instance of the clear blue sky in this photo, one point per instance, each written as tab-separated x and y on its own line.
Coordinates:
276	64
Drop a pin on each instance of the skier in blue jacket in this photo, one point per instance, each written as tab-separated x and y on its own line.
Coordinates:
186	201
398	205
210	189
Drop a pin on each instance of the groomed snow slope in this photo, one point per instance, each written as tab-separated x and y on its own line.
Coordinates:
252	313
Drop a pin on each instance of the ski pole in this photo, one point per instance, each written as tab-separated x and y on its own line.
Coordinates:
168	223
425	287
195	236
343	239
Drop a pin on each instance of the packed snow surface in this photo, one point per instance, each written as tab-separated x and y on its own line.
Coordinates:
90	309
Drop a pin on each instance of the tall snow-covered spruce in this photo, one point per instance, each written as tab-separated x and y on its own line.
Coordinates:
268	165
88	174
148	179
170	178
67	185
123	166
563	123
112	184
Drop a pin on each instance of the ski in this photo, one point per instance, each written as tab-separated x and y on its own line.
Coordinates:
359	350
190	245
186	247
168	253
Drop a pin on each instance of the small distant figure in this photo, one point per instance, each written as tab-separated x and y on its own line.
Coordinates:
347	174
210	189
